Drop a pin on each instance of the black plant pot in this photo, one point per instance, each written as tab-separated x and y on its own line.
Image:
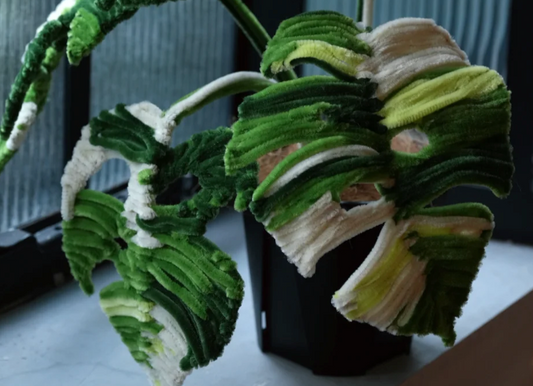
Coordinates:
294	315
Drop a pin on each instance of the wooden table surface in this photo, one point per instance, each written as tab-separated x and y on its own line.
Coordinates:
500	353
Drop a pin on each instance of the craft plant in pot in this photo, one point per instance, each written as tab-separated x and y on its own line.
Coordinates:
294	318
177	304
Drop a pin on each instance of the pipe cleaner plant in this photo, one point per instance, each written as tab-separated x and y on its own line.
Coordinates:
178	302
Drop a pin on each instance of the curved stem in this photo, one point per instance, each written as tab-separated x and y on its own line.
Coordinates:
231	84
249	24
254	31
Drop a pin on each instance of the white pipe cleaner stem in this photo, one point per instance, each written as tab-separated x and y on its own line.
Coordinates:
368	13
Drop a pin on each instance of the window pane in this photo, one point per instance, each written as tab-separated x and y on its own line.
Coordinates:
30	184
160	55
480	27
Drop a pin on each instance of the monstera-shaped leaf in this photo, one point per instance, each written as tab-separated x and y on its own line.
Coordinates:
407	74
177	305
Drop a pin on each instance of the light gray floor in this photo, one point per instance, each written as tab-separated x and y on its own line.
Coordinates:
63	339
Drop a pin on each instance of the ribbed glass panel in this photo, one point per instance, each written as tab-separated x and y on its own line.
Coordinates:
160	55
480	27
29	185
